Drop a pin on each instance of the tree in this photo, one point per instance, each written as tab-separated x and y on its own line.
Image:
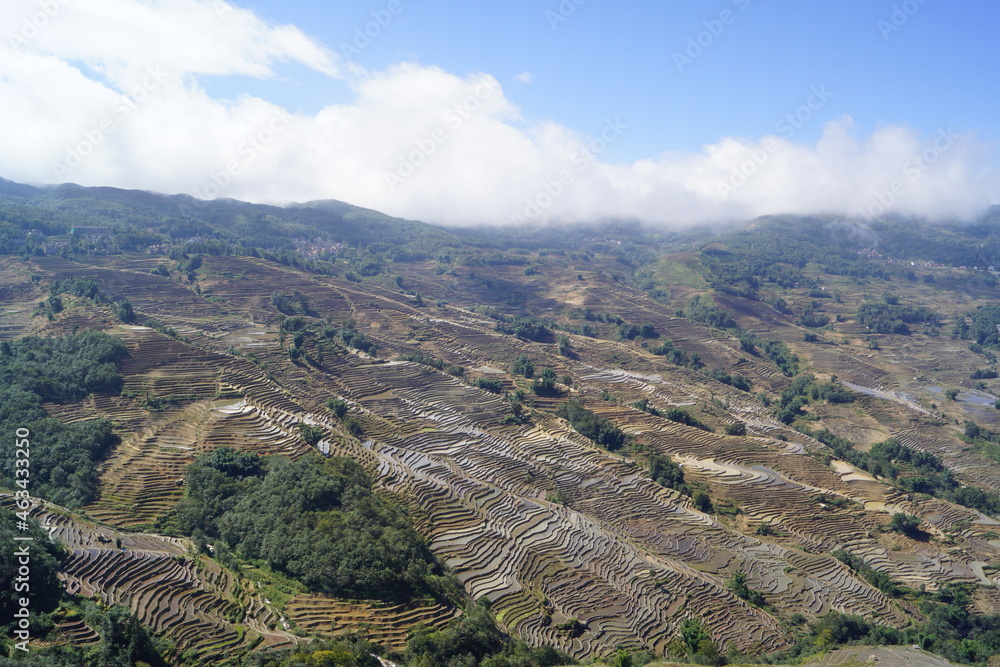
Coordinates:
692	633
565	348
736	428
666	473
311	435
738	585
524	367
338	407
314	519
45	589
545	384
123	311
907	524
492	386
593	426
702	502
951	394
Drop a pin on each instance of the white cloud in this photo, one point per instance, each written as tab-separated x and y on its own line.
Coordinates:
525	77
117	37
118	80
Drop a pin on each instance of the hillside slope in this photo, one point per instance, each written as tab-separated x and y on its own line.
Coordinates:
575	545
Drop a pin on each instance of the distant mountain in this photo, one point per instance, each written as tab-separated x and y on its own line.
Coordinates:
229	220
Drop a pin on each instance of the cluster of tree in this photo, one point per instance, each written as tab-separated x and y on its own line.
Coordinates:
892	318
750	260
984	441
912	471
74	286
545	384
779	248
526	327
338	407
732	379
49	307
316	520
644	405
591	425
64	457
951	630
879	580
981	327
675	355
350	651
831	392
627	331
591	316
580	330
679	415
703	310
968	245
738	585
812	318
135	220
475	640
490	259
123	311
565	348
294	304
490	385
736	428
124	642
16	241
523	367
44	588
805	388
776	351
696	644
298	323
187	264
667	473
906	524
682	416
351	337
432	361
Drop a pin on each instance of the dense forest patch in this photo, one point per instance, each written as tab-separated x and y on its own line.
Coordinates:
313	519
64	457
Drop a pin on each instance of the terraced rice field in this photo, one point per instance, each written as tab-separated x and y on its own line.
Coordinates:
533	516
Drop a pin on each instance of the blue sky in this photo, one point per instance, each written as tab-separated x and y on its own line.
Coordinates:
673	113
939	68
